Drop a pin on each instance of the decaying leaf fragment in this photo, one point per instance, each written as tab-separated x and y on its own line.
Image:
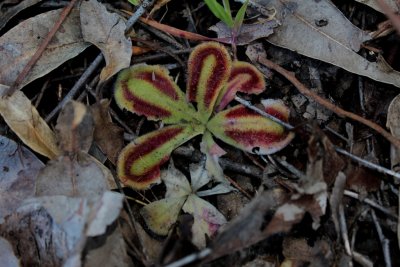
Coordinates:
25	121
107	135
161	215
74	172
213	80
53	230
107	31
18	170
74	128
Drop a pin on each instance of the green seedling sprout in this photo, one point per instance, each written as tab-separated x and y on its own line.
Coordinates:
224	13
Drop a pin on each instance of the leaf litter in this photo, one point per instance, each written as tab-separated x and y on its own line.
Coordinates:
302	211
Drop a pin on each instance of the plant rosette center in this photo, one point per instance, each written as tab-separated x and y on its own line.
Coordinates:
213	80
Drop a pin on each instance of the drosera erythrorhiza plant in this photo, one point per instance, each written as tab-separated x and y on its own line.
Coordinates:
213	80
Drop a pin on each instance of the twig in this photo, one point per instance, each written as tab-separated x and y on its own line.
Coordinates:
190	258
384	241
369	164
263	113
343	230
371	203
82	80
160	55
393	17
21	76
238	187
320	100
138	13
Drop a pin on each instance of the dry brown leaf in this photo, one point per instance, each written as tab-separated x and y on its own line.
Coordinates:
19	44
22	117
108	136
375	5
12	11
319	30
74	128
112	253
298	249
106	31
18	170
80	175
248	32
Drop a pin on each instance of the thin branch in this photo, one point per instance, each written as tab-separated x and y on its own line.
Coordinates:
247	104
369	164
82	80
343	230
371	203
320	100
22	75
384	241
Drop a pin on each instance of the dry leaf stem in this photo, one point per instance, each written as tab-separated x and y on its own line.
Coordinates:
325	103
41	49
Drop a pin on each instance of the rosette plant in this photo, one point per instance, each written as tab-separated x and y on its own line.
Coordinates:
213	80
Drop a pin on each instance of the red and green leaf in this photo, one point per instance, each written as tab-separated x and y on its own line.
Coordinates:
209	68
139	162
244	78
247	130
150	91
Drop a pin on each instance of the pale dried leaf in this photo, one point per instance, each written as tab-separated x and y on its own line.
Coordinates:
105	211
375	5
7	257
393	123
19	44
106	31
18	170
336	199
207	219
319	30
81	175
248	32
22	117
248	227
75	128
50	231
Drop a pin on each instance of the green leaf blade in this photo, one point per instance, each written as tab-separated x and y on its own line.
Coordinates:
220	12
139	162
150	91
209	67
247	130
